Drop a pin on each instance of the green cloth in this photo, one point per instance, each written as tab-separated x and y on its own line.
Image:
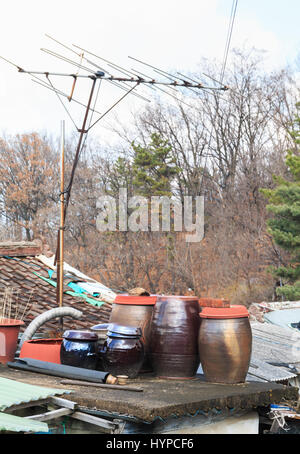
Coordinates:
76	294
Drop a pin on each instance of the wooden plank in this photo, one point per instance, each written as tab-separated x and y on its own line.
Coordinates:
51	414
104	423
59	401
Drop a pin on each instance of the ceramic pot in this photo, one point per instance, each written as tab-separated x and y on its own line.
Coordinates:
174	337
9	332
123	351
78	349
130	310
42	349
225	344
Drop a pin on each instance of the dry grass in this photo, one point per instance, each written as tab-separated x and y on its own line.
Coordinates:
11	308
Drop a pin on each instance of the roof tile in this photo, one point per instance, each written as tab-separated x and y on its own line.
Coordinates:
18	273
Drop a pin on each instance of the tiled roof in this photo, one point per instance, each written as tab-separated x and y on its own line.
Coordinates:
21	274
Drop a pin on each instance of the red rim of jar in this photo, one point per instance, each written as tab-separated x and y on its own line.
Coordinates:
135	300
237	311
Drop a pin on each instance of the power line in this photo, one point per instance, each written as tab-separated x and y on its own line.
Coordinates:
225	58
229	34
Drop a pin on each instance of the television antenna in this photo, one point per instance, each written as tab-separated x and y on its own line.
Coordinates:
89	67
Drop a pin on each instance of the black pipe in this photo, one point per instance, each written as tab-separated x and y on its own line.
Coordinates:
59	370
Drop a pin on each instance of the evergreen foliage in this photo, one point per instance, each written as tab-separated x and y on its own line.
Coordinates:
154	167
284	226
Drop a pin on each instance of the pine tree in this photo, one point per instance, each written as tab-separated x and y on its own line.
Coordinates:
284	226
153	167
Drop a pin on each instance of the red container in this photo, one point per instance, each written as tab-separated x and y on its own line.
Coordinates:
9	331
42	349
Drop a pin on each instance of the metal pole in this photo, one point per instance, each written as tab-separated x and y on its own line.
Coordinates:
60	239
62	215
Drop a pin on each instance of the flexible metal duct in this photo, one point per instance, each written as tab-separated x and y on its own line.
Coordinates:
45	317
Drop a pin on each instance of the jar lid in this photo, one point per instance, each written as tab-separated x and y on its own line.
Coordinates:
126	330
80	335
100	327
223	313
135	300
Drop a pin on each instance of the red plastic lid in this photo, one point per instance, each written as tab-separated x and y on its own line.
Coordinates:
223	313
135	300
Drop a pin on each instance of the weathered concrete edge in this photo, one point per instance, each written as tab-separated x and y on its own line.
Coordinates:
248	401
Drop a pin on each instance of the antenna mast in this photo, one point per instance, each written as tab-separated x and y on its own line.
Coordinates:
128	82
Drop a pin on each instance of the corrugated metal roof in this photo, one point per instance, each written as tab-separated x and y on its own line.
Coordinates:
13	423
15	393
267	372
274	343
274	349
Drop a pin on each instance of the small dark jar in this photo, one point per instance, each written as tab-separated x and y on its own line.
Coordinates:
78	349
123	351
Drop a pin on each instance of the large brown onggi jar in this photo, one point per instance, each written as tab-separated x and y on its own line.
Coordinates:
225	344
123	351
174	336
131	310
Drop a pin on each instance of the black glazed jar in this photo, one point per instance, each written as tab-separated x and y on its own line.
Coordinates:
123	350
78	349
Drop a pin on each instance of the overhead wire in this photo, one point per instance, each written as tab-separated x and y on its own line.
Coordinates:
225	58
229	35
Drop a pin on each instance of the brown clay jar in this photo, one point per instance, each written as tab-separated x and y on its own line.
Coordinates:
123	351
225	343
131	310
174	336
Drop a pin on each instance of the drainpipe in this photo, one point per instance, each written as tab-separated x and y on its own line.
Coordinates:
45	317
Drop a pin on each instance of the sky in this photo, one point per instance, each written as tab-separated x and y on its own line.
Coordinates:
166	34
